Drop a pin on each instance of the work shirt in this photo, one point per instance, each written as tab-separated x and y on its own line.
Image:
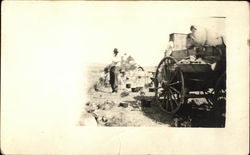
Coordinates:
170	48
116	60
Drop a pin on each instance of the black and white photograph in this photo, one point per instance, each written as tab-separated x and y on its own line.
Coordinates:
124	77
162	72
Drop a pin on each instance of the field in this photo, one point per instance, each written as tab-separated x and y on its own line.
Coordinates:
130	109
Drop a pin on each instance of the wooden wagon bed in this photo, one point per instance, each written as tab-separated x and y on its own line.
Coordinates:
176	81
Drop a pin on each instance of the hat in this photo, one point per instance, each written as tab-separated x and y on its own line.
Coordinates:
193	27
115	50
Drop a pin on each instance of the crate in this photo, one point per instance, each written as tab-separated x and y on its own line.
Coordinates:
179	40
179	54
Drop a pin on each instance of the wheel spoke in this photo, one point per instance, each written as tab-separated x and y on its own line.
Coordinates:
167	68
174	83
175	99
171	103
156	82
165	101
172	77
161	94
174	102
167	72
158	87
175	90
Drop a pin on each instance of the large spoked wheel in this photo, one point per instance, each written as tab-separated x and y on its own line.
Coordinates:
169	86
220	100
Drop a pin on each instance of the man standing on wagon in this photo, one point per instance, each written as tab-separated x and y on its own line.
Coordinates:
114	71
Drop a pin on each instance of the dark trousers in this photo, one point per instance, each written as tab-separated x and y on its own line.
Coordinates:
114	71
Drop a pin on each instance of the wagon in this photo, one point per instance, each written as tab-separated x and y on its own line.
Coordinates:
175	82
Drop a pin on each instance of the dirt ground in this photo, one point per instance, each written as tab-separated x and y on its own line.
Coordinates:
114	110
128	109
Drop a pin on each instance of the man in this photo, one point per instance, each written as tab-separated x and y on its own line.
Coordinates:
170	46
114	71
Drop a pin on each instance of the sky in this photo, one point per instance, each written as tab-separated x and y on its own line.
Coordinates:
91	31
143	37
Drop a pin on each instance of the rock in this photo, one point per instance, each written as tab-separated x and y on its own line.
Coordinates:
94	115
88	104
175	122
104	119
124	93
117	120
87	120
99	118
100	106
123	104
136	89
135	104
90	110
90	107
138	102
107	105
142	92
91	90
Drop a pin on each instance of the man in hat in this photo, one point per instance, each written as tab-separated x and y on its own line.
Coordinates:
114	71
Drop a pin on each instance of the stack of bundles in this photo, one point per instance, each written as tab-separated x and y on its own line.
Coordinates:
128	63
135	75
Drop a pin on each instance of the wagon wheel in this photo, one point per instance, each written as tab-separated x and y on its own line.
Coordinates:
169	85
220	99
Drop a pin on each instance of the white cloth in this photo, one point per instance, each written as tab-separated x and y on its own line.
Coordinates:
206	36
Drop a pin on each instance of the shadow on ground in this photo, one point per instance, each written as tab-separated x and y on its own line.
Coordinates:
201	116
189	115
152	110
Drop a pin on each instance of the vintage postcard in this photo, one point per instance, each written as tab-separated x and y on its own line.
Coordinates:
124	77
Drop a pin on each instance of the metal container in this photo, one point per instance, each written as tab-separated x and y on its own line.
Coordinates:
134	89
151	89
128	85
123	104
